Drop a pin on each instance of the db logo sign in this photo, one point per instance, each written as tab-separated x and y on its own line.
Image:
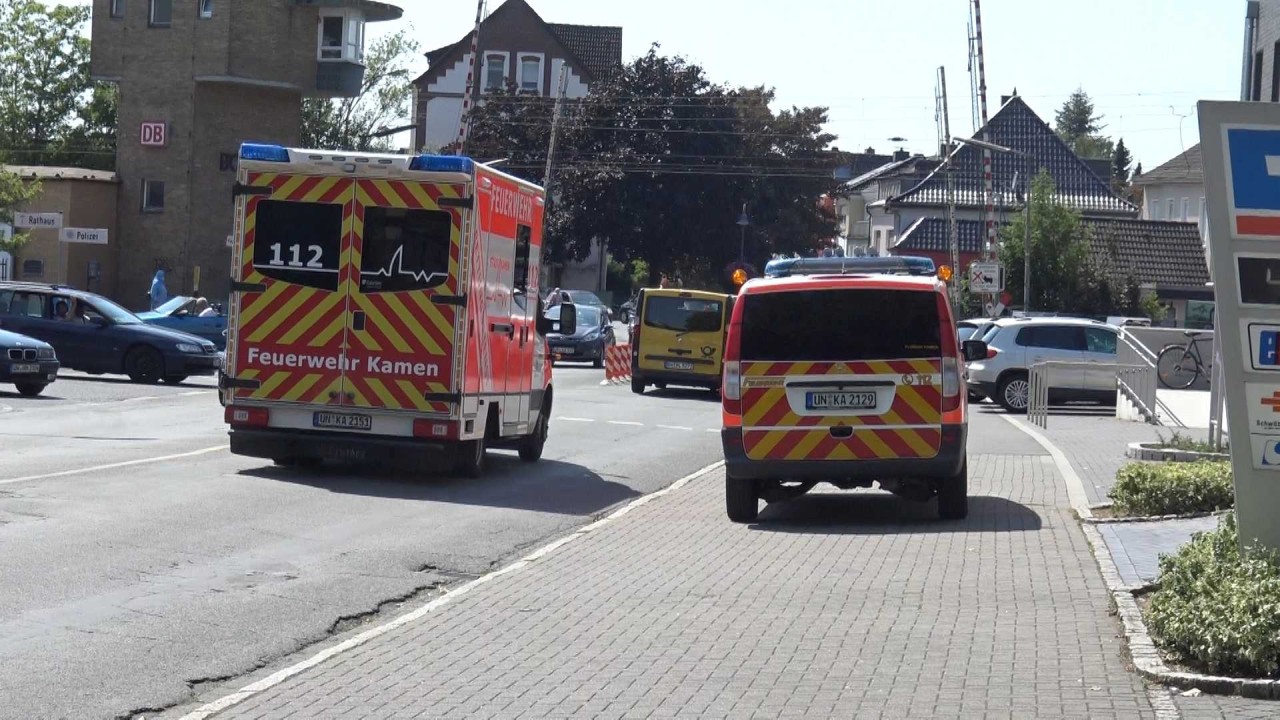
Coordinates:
155	134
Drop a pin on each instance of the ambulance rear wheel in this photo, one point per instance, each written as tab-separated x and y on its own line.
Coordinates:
741	499
531	445
471	457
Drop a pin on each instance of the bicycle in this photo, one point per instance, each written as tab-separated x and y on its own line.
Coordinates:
1180	366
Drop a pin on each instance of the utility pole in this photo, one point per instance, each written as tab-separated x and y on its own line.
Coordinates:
953	237
473	83
548	175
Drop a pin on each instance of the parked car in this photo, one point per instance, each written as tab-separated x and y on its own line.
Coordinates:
95	335
179	314
592	335
28	363
1014	345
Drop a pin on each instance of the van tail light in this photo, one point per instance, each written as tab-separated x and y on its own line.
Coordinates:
731	387
246	416
951	394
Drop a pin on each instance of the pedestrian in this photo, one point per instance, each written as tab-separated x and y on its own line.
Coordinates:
159	293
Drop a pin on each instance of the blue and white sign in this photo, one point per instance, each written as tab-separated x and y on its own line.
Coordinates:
1253	181
1261	344
1266	452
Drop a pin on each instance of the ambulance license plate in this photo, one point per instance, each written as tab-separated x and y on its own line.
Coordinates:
677	365
24	368
342	421
840	401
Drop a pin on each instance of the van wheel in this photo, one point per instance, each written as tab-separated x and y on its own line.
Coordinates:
531	445
1014	393
144	365
953	495
637	385
471	458
741	499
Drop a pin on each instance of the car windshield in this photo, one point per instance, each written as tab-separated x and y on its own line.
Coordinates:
112	311
584	297
173	305
873	325
587	316
683	314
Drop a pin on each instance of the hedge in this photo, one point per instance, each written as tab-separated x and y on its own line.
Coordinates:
1173	488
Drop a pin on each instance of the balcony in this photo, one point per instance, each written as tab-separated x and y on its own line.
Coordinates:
339	78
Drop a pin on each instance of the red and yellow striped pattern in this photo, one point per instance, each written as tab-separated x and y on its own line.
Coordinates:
291	317
407	325
909	428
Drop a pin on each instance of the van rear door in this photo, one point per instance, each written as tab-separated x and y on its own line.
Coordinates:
841	374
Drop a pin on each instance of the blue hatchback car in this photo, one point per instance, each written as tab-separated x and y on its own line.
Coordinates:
95	335
179	314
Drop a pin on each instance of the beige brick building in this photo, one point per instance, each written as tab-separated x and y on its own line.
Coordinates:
196	79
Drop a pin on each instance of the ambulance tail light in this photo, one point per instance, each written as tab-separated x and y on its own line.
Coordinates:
950	384
442	163
952	394
246	416
434	430
731	383
265	153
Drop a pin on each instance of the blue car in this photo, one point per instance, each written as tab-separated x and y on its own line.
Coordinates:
179	314
95	335
27	363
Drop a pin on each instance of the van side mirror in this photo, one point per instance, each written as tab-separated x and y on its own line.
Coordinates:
972	350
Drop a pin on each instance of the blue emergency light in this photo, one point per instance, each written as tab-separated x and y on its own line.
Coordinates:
442	163
898	265
265	153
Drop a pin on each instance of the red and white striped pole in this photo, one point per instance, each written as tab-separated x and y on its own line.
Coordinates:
473	90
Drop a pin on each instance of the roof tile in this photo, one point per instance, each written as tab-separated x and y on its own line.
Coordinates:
1188	167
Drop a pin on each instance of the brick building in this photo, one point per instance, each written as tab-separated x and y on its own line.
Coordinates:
196	79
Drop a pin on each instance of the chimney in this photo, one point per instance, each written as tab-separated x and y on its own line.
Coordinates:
870	151
900	155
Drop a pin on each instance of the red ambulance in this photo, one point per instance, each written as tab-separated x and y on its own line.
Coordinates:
385	308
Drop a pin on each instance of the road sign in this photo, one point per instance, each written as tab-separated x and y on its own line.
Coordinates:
1260	343
41	221
87	236
986	278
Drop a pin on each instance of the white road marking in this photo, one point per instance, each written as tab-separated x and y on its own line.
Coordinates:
676	427
141	398
195	392
113	466
628	423
714	430
280	676
575	419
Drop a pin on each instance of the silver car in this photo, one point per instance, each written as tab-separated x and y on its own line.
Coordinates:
1016	344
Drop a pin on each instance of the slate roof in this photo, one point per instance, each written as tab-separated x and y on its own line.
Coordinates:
1185	168
51	172
916	164
1018	127
1169	254
597	49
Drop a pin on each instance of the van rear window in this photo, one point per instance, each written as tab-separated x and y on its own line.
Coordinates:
683	314
840	326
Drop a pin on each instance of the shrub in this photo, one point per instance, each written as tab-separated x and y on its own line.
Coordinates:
1218	610
1173	488
1183	442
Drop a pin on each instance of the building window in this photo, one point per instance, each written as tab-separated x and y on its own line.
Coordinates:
1169	209
33	268
1186	209
1201	215
531	73
206	8
1153	209
1275	72
117	8
152	196
1255	91
495	72
161	13
342	35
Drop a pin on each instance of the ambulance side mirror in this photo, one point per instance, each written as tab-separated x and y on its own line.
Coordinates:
566	324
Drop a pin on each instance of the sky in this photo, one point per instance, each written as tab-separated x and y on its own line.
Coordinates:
874	63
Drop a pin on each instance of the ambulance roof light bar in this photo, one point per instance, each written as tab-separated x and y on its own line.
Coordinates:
264	152
898	265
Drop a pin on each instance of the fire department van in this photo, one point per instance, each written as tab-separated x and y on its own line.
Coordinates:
385	308
845	371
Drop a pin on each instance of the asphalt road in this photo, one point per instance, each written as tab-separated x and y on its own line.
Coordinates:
142	561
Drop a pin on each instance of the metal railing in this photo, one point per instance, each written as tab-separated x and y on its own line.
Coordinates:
1138	388
1041	373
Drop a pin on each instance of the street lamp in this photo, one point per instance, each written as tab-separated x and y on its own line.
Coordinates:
1026	206
743	222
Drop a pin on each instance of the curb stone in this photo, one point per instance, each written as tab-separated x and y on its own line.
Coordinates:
1153	518
1142	451
1145	657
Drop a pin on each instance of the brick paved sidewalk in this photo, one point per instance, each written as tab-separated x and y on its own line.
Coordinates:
836	605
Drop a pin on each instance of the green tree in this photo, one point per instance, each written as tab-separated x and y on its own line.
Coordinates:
1080	127
659	161
1121	160
51	111
362	122
14	191
1067	274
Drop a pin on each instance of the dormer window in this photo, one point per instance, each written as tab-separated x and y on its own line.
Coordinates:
495	71
341	35
530	73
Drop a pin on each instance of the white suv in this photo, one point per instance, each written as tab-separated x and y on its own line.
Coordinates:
1016	344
